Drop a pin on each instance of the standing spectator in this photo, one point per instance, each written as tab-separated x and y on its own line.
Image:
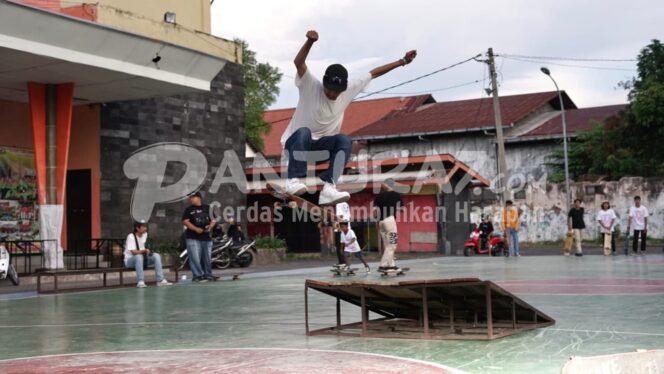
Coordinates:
638	214
486	228
607	220
510	226
199	243
576	224
136	254
234	230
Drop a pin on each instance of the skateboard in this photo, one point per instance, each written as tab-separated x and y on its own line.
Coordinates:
607	244
326	214
386	273
339	271
567	246
233	276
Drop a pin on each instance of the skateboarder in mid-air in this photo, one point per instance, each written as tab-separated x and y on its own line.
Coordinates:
349	240
386	205
316	123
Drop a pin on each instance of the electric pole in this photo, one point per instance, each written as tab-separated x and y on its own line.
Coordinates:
502	164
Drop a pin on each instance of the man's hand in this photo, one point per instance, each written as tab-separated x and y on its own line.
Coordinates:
147	251
199	230
312	35
409	56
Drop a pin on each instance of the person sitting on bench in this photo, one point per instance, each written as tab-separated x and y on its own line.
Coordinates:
136	255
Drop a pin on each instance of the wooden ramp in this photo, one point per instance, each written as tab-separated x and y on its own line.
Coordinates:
459	308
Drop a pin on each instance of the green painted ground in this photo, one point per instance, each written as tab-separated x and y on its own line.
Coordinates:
625	313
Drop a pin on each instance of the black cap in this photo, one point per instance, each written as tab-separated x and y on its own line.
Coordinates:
196	194
336	78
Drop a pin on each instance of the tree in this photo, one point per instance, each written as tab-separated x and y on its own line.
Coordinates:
631	142
260	91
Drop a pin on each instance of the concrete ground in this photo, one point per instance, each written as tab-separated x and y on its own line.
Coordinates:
602	305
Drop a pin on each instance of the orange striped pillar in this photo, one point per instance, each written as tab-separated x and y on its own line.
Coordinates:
51	112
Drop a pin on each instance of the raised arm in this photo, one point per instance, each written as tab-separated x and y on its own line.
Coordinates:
407	59
300	59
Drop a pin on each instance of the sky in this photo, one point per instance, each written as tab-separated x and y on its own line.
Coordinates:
363	34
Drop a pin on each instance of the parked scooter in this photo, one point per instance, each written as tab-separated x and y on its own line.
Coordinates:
6	268
495	243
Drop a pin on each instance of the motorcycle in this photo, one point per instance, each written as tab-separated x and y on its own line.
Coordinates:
494	244
237	255
6	268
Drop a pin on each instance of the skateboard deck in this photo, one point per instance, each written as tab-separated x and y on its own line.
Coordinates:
567	246
607	244
339	271
324	213
385	273
233	276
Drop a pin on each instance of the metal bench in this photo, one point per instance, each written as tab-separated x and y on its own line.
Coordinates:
120	270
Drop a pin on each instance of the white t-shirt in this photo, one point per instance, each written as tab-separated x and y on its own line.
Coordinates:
130	245
315	111
605	217
638	216
346	239
343	211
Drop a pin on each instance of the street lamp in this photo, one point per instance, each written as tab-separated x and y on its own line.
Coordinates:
562	109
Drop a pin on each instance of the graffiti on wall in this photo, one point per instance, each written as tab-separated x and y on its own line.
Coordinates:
18	195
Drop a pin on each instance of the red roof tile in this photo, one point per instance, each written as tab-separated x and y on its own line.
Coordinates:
358	114
577	120
460	115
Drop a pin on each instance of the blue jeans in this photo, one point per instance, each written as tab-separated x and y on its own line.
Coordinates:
338	149
136	262
513	237
200	253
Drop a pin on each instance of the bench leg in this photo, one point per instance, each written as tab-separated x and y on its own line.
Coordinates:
121	274
55	283
104	279
38	283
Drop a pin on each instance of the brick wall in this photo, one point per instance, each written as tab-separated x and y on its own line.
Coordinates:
212	122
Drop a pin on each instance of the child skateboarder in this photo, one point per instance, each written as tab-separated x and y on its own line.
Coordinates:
316	123
351	247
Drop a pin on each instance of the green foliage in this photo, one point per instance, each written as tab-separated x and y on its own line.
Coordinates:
269	242
629	143
260	91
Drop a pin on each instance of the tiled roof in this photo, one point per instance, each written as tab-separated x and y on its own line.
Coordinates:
577	120
460	116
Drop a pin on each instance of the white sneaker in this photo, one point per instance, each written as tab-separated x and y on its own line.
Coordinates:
295	187
330	196
141	285
164	282
367	269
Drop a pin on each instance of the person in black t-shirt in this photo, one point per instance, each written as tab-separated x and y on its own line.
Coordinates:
386	205
576	224
485	228
196	219
234	230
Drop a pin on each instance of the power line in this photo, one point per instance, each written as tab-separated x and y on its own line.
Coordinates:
534	61
420	77
430	91
507	55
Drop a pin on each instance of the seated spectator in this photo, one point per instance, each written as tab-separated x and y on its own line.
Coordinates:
136	255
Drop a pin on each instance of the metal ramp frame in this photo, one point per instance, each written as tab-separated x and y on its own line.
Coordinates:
458	308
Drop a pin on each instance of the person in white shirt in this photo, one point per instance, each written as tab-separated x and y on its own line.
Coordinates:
638	216
134	255
342	211
351	246
607	220
316	123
